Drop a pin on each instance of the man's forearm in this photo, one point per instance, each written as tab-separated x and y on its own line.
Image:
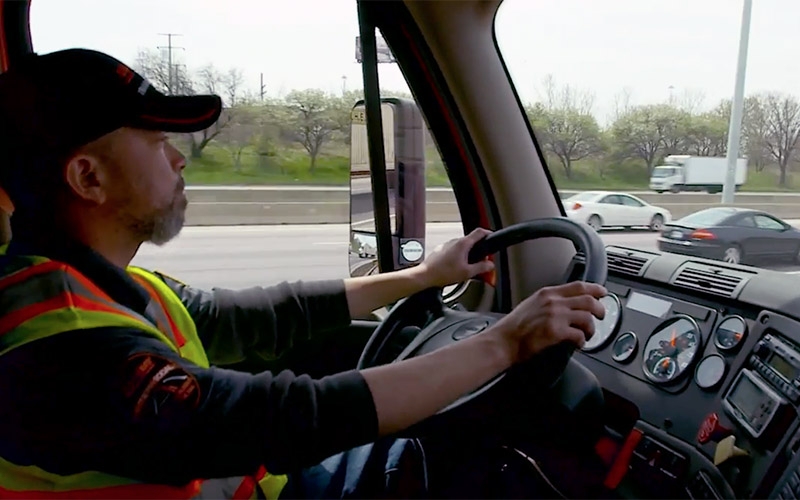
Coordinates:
367	293
413	390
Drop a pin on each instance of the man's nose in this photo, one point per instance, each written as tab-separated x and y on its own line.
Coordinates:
177	159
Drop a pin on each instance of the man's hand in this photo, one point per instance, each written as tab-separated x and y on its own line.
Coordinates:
448	264
444	267
550	316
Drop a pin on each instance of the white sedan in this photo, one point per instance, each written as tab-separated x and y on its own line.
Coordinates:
602	209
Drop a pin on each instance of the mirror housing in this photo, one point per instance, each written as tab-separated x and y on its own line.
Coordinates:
404	147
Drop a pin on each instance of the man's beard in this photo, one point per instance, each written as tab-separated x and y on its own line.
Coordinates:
167	224
163	225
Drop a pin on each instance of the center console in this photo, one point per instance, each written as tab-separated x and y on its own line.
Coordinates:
763	396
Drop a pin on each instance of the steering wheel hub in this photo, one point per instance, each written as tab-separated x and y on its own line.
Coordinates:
470	328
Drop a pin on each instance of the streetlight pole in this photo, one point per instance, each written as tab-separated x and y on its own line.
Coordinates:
737	107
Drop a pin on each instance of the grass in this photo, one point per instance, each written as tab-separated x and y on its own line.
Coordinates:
287	166
292	166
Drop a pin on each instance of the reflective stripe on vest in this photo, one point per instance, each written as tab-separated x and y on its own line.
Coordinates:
40	298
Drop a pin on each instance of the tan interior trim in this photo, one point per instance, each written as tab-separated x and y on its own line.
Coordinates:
461	36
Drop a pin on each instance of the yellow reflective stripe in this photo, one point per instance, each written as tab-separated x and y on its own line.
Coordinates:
272	486
32	478
193	349
68	319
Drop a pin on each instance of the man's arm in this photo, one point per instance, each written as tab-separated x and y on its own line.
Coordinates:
263	320
268	321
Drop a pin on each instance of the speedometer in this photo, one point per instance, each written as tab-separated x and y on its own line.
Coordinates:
604	329
671	349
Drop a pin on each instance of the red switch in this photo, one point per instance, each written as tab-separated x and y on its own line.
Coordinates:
712	430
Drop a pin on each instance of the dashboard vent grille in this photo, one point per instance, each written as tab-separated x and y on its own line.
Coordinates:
711	279
623	260
627	262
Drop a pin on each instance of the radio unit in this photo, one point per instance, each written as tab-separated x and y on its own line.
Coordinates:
754	405
778	361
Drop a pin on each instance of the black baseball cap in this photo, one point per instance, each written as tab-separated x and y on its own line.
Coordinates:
57	102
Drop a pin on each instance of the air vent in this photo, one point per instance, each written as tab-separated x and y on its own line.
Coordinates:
623	260
711	279
627	261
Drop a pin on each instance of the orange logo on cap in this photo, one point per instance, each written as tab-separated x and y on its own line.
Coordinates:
125	73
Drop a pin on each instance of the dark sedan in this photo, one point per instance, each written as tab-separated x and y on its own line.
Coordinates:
730	234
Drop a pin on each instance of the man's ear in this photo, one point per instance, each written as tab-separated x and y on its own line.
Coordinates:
87	178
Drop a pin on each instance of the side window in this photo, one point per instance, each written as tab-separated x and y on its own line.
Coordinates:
268	184
630	202
765	222
404	129
745	222
611	199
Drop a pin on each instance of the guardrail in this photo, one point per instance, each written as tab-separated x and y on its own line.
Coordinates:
270	205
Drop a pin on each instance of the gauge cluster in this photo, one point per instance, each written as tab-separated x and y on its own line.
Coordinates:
667	347
702	375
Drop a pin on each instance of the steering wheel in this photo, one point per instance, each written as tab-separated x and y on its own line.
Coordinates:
437	325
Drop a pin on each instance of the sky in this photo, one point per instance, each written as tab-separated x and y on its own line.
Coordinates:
657	49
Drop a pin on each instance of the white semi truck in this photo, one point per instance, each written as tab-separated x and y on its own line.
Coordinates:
695	173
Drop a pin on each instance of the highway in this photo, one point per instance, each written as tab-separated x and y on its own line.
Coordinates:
267	205
243	256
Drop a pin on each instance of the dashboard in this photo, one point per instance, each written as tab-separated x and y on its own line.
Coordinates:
699	362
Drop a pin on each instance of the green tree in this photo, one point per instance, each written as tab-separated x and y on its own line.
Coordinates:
313	120
650	132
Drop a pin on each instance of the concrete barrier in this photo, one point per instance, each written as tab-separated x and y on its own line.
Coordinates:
235	205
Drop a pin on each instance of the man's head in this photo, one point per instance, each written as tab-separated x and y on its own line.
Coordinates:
83	136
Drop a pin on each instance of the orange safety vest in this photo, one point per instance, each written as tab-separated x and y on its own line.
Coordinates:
40	298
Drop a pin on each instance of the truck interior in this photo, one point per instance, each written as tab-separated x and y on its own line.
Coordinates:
691	385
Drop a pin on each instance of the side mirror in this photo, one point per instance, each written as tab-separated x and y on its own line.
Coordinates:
404	146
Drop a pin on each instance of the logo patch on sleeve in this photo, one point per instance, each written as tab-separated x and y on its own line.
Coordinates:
157	387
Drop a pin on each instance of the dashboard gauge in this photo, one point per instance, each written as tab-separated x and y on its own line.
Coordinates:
604	329
624	347
730	333
709	371
671	349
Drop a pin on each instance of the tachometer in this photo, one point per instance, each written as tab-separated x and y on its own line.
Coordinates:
730	333
604	329
671	349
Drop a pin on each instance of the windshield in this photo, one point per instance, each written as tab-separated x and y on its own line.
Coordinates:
617	92
662	172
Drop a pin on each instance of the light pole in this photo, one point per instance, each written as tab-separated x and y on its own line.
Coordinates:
737	107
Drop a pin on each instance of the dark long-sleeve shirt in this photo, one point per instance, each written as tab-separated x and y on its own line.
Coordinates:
79	401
